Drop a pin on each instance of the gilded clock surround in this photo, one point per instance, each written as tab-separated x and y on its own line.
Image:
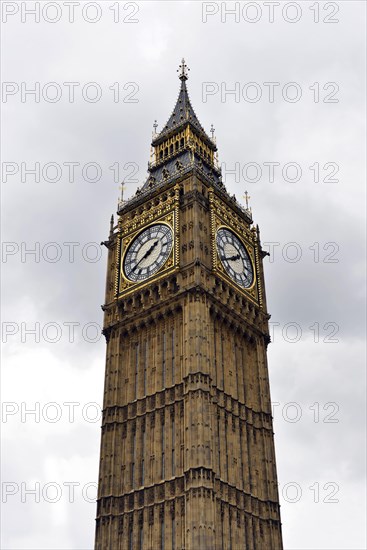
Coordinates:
138	220
251	253
168	265
223	216
187	449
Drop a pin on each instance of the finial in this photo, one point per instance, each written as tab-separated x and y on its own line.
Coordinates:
111	224
122	185
155	126
183	70
216	159
212	130
247	197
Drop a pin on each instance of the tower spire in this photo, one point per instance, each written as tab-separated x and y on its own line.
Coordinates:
183	111
182	144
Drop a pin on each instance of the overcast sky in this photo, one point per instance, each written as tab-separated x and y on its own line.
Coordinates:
312	219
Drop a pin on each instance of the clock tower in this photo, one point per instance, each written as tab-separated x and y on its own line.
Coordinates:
187	449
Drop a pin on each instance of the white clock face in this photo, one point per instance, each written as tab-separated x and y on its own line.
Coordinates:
148	252
234	257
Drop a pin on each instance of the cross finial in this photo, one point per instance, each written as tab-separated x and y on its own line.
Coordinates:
183	70
247	197
122	185
212	130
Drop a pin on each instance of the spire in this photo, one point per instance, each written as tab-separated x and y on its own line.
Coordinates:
247	197
182	146
155	126
212	131
183	111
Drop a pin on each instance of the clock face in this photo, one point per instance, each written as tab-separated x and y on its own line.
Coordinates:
234	257
148	252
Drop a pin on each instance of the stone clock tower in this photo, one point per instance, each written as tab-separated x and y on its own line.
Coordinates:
187	450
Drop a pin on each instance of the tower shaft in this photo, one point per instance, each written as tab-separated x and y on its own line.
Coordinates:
187	450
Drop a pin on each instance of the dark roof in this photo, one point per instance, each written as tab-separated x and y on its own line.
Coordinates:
182	114
183	111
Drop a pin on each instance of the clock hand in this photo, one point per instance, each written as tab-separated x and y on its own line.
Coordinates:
150	250
237	257
145	255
